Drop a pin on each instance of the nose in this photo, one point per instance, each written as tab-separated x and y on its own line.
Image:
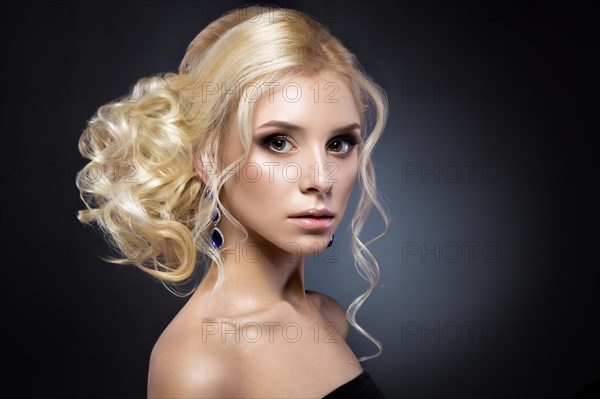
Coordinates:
318	173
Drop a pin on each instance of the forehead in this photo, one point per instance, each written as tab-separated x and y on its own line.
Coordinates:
322	101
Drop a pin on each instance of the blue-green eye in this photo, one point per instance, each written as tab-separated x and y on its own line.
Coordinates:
344	144
278	143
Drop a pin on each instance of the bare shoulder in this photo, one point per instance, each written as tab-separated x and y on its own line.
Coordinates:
180	366
332	311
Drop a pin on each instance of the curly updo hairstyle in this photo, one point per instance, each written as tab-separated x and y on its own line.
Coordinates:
141	185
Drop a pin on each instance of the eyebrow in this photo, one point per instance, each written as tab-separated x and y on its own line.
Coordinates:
292	127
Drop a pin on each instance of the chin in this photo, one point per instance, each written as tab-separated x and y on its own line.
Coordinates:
307	246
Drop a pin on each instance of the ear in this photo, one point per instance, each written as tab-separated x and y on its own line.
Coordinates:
200	168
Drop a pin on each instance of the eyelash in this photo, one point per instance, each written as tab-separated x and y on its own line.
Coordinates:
266	141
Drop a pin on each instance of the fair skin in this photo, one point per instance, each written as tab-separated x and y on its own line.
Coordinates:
282	340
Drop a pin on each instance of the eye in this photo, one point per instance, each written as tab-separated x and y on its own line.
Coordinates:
279	144
282	144
343	144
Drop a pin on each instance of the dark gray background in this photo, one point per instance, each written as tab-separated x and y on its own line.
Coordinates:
489	271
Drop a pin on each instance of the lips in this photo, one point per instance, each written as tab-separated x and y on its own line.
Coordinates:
313	219
313	223
314	213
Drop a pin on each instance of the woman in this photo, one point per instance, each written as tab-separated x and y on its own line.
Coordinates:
246	157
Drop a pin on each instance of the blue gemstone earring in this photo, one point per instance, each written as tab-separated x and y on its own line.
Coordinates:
331	241
216	236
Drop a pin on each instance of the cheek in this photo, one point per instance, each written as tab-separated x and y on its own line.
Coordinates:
248	197
348	174
259	184
349	184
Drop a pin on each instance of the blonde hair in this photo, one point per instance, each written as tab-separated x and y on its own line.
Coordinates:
141	186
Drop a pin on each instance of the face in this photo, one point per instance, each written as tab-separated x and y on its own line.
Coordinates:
304	155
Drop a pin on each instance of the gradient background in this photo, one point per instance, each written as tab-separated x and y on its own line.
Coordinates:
489	272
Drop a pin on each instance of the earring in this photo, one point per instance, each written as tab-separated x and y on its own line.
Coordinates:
331	241
216	236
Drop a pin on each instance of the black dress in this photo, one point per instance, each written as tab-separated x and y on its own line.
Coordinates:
362	386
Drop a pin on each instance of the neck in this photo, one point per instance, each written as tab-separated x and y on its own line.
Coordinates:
257	274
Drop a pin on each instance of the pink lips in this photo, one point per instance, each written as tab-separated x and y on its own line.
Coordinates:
313	223
313	218
314	212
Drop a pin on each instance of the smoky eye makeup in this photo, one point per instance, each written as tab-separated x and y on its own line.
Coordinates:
351	137
275	138
280	143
